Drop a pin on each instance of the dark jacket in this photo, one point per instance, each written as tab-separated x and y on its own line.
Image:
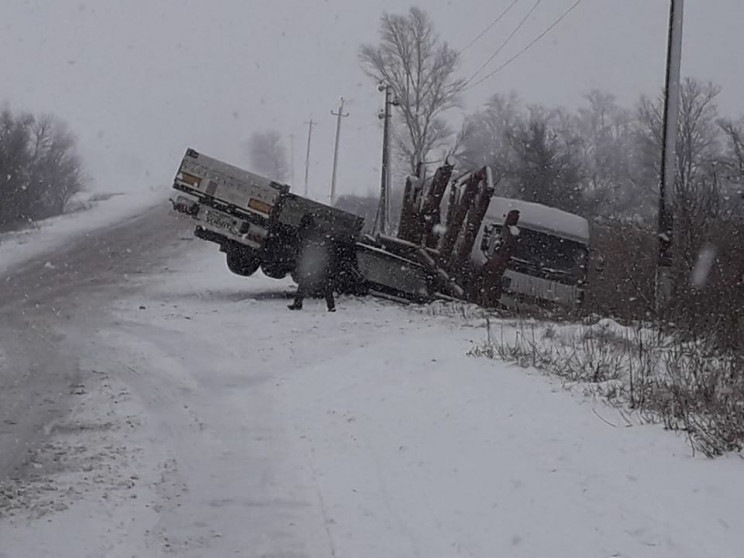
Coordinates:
316	260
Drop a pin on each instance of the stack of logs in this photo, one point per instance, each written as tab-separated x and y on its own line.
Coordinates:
443	247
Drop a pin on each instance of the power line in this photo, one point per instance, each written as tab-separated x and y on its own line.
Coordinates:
490	26
563	16
503	44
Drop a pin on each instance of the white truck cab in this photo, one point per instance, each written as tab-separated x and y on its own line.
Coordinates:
550	259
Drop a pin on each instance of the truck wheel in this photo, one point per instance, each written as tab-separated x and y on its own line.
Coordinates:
243	262
274	271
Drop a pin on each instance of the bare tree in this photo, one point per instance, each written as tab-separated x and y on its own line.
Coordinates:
608	153
419	67
56	171
544	164
533	152
698	138
39	168
701	210
14	157
698	149
733	160
485	138
268	155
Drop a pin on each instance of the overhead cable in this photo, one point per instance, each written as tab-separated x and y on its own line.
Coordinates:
490	26
525	49
504	43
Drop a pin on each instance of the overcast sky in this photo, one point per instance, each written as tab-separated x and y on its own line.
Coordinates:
138	81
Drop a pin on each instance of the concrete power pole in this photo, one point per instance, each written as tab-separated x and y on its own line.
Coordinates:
668	174
339	115
381	223
291	160
307	157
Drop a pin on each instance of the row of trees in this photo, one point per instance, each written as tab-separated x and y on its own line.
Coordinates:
39	168
601	161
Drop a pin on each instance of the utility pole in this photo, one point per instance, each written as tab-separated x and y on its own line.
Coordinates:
339	115
381	223
291	159
668	172
307	157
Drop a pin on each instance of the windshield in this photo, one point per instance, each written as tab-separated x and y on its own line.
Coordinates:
542	254
550	252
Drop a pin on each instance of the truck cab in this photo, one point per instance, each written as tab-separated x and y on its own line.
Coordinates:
549	265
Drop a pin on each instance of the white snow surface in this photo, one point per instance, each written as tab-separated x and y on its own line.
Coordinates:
91	214
225	425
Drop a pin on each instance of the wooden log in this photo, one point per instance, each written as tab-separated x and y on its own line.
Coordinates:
408	228
456	217
474	219
429	214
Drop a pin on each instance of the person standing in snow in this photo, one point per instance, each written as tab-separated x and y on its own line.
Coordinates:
316	264
498	261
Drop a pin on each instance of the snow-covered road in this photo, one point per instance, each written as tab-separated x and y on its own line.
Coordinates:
207	420
53	281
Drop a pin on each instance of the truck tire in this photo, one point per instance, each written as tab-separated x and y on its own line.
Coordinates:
275	271
243	262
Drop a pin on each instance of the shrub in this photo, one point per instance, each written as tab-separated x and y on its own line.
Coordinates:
39	168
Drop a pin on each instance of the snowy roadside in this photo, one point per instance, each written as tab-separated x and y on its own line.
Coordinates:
52	234
254	431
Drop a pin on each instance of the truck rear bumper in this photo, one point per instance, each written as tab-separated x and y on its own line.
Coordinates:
219	226
211	236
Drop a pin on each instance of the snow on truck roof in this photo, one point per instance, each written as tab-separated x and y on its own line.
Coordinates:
540	218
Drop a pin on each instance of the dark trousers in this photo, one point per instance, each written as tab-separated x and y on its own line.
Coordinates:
303	290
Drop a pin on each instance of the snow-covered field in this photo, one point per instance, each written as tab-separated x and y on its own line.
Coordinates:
215	422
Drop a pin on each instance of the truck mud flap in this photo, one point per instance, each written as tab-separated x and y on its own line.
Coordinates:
211	236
